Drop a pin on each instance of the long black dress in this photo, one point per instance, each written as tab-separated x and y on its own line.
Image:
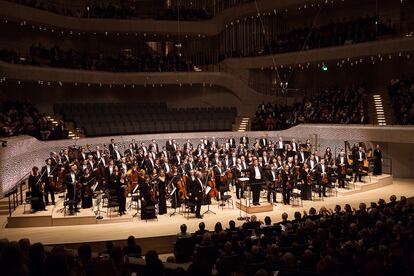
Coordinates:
162	203
86	182
377	162
36	196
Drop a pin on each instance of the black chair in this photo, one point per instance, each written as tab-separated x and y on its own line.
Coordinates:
296	197
183	249
113	202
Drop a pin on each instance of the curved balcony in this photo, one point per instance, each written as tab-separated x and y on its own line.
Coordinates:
20	13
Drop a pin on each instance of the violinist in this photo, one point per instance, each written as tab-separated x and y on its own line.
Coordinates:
307	176
322	177
286	184
162	204
197	193
147	199
341	169
238	173
49	181
219	173
272	183
86	190
36	193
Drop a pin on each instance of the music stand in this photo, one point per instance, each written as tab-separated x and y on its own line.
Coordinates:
172	193
134	192
98	203
206	192
242	181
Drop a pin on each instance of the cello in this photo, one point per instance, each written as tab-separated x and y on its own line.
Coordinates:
212	183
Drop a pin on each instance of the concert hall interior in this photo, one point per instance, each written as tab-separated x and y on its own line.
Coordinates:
206	137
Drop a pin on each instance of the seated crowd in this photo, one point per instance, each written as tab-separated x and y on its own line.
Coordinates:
402	98
375	240
23	118
119	11
57	57
333	34
330	106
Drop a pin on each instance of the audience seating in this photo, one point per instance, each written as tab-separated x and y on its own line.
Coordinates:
123	118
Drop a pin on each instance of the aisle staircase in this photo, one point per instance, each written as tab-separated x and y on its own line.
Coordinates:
241	124
381	111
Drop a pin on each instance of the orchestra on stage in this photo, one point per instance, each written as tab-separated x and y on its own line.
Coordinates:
154	177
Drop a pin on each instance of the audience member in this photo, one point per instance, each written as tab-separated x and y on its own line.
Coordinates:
402	98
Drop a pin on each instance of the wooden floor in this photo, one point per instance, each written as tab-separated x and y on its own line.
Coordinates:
167	225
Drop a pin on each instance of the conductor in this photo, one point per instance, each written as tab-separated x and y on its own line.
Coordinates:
256	177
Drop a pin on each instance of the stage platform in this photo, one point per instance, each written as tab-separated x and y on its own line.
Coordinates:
51	227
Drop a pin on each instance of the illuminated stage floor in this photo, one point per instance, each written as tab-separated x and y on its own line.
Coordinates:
167	225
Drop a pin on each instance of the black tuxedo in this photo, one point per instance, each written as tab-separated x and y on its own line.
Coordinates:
169	146
232	143
320	169
244	140
149	165
263	142
71	190
115	156
256	187
49	188
197	194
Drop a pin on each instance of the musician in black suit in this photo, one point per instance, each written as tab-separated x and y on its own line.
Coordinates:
116	155
263	142
286	184
256	177
244	140
322	173
130	151
65	159
49	181
280	146
198	193
36	193
359	157
272	176
149	164
378	160
232	142
341	163
219	172
111	146
71	180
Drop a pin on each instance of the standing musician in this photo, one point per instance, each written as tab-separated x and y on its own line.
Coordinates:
162	202
286	184
359	157
147	199
323	178
272	183
341	161
377	160
71	181
256	177
239	173
198	193
307	178
36	193
86	189
49	181
219	173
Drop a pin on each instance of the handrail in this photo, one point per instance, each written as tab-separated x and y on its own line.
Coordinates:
387	165
16	193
